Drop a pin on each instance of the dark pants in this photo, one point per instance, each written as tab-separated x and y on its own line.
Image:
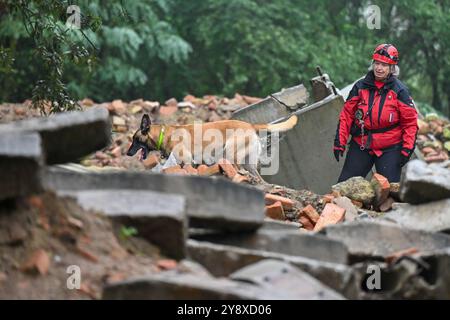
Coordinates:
360	162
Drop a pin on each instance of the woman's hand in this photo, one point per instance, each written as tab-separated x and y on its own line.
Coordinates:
338	151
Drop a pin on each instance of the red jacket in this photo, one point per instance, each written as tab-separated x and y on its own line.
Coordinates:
387	117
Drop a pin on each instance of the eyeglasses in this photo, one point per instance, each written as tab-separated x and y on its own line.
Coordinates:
383	52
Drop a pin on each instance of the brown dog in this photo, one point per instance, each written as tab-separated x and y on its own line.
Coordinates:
206	142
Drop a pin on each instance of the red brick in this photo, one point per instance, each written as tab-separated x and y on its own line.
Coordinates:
228	168
20	111
357	203
118	106
427	150
167	264
381	186
239	178
39	261
172	169
396	255
116	152
151	161
172	102
438	158
311	213
275	211
306	223
271	198
331	214
328	198
86	253
251	100
167	111
204	170
190	169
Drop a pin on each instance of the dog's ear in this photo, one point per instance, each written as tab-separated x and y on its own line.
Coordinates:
145	124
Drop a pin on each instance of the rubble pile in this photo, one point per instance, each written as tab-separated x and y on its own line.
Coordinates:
433	138
206	232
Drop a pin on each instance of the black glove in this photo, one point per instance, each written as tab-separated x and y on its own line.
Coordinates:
405	155
338	151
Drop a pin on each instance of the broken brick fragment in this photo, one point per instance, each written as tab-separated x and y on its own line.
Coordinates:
272	198
151	161
167	111
306	223
39	262
328	198
331	214
190	169
397	255
204	170
172	169
381	186
167	264
387	204
310	213
275	211
228	168
239	178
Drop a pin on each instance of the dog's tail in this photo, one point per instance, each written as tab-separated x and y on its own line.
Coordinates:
280	127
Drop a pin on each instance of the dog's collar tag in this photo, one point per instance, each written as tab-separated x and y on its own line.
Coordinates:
160	139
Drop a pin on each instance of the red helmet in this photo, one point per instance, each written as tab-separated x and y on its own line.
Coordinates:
386	53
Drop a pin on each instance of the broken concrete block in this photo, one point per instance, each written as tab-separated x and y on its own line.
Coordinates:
67	136
321	87
331	214
281	276
296	148
290	242
378	239
351	212
275	211
356	188
271	224
20	164
433	216
159	217
422	182
381	187
424	276
222	260
265	111
172	286
293	97
212	203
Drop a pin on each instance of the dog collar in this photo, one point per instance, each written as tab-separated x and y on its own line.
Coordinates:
160	138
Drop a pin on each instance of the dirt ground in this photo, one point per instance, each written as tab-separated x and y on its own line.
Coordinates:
66	235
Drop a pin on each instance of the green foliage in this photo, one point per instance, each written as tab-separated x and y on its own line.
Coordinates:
49	45
156	49
127	232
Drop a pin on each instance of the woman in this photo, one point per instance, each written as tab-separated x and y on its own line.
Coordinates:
381	117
